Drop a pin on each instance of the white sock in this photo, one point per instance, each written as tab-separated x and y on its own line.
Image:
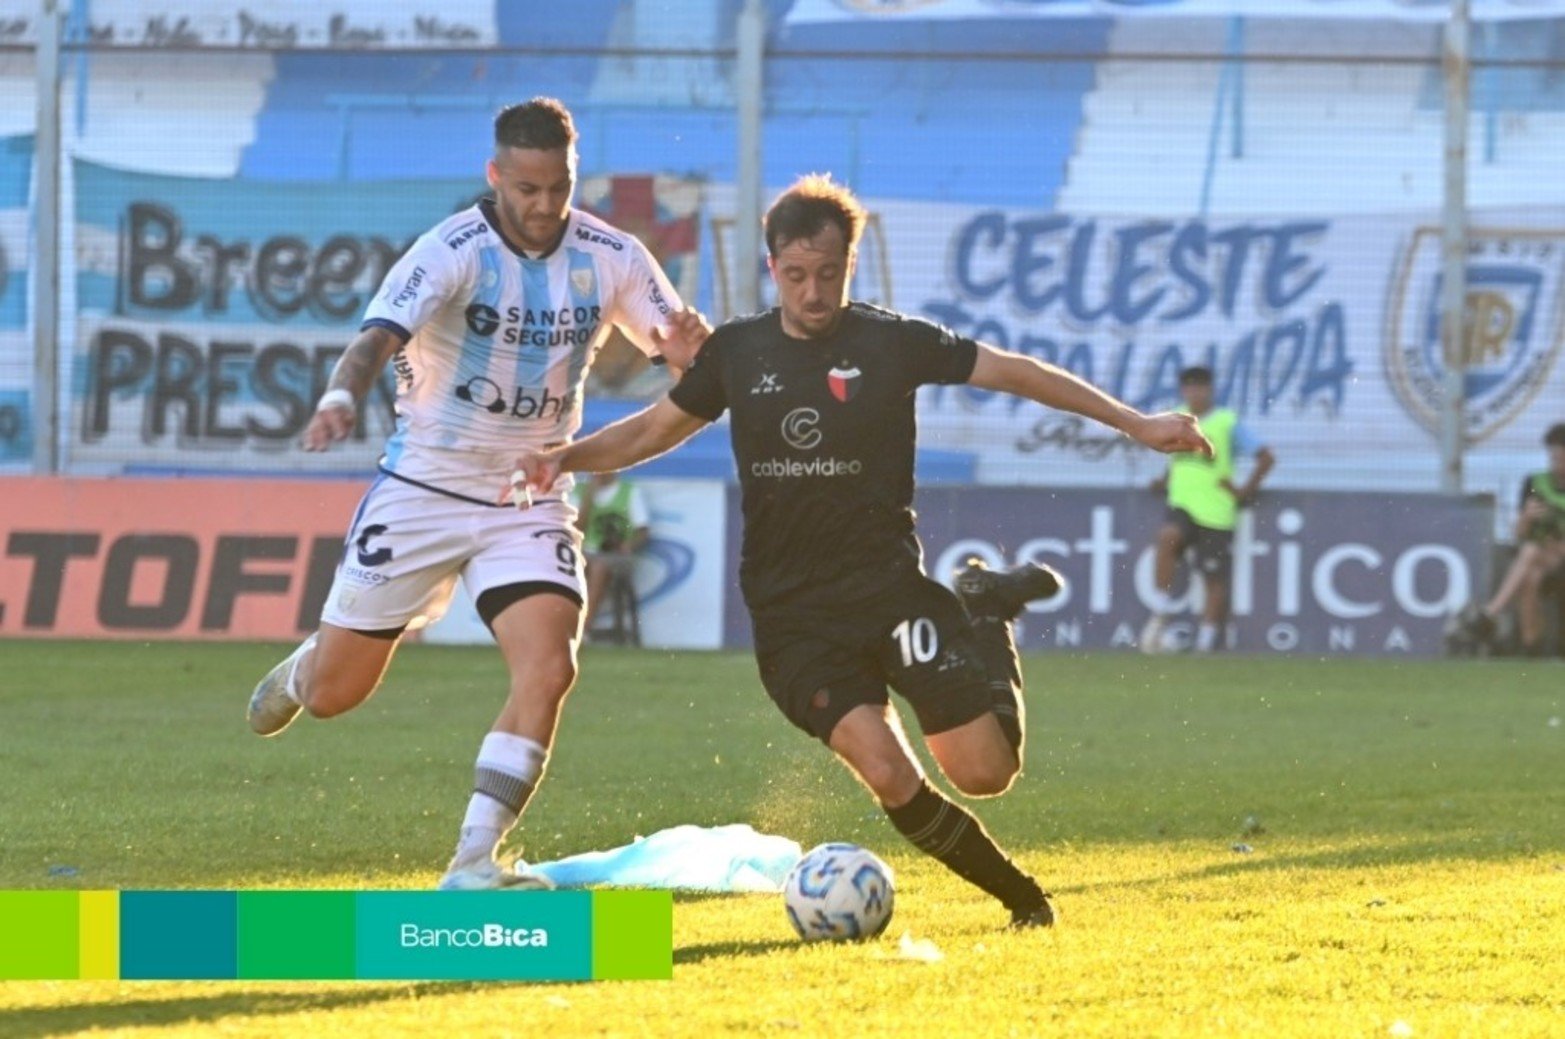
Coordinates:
291	687
508	770
1206	637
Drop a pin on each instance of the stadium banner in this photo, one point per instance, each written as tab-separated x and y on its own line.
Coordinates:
16	348
1323	333
275	25
1314	572
680	576
169	559
149	558
210	312
336	935
827	12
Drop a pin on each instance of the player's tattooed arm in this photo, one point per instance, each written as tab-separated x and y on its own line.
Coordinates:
653	431
351	380
1057	388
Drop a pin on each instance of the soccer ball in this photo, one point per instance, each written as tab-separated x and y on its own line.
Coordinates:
839	892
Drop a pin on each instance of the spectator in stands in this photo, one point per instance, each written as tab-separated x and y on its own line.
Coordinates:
1540	555
615	523
1203	509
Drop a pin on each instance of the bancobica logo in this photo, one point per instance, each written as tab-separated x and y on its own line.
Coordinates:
1513	336
410	290
799	428
486	936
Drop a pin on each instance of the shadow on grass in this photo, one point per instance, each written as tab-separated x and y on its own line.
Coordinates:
144	1012
713	950
1363	856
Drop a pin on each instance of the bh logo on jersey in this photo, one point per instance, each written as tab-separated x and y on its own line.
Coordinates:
844	382
1513	333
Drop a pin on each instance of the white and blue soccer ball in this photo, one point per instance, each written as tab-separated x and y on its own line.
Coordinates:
839	892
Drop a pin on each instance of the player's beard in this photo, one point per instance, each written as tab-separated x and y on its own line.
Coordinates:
536	233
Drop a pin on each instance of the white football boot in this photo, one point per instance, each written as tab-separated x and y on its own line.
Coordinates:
274	704
489	875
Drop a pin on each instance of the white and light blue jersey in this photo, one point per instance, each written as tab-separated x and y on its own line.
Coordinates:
499	342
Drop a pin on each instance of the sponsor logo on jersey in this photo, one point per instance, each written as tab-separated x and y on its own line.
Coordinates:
1510	343
542	328
410	290
844	383
785	468
368	557
462	235
583	280
523	402
799	428
482	319
768	384
658	299
586	234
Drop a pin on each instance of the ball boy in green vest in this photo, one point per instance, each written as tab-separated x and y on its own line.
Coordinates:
1203	509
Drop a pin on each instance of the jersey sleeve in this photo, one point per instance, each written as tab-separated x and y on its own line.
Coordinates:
644	300
936	354
415	287
701	392
1244	439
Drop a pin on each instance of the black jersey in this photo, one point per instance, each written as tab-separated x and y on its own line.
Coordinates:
823	434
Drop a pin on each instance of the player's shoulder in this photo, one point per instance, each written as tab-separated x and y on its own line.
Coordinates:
892	322
745	330
462	233
593	234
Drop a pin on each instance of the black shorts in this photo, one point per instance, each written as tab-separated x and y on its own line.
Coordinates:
819	664
1212	550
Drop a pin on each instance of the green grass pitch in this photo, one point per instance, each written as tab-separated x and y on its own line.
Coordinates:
1406	827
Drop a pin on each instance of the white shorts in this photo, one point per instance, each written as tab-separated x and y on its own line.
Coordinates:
407	546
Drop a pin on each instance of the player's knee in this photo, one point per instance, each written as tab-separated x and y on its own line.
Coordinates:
1168	539
550	677
892	780
986	777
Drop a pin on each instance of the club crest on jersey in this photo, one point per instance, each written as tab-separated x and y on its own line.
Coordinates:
582	280
844	383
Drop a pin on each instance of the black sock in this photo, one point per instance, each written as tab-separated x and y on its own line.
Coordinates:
997	650
945	830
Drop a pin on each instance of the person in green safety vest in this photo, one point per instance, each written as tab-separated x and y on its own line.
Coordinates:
615	522
1540	555
1203	509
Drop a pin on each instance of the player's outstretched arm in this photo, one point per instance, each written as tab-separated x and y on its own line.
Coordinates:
650	432
1025	377
352	379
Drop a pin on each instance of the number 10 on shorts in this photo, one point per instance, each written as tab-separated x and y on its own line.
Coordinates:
918	640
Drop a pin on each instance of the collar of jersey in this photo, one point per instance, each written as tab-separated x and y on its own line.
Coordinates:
487	207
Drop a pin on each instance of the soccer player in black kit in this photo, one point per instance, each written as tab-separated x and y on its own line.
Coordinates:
820	393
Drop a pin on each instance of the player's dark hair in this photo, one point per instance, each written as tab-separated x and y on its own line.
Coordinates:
542	124
1196	376
806	208
1555	437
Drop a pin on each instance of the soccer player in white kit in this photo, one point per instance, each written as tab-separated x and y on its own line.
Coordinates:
490	320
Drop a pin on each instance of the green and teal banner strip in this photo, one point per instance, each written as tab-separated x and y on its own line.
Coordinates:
333	935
